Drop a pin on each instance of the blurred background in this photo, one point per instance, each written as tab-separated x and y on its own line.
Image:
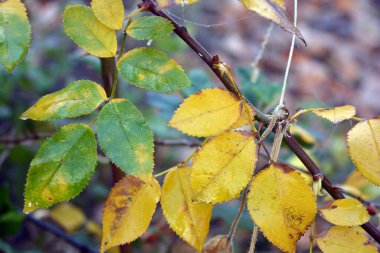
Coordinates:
340	65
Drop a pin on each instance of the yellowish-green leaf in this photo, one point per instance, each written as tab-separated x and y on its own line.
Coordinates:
364	148
62	167
68	216
282	204
151	69
165	3
15	33
218	244
126	138
223	167
207	113
345	239
336	114
88	32
345	212
244	118
109	12
128	210
79	98
274	10
150	28
188	219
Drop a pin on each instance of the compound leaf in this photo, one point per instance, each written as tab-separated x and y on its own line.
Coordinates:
345	212
125	137
88	32
207	113
128	210
223	167
15	33
150	28
345	239
336	114
274	10
62	167
79	98
282	204
364	148
152	69
109	12
188	219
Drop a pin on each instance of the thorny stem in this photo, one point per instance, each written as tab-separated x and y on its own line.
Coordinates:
255	234
260	116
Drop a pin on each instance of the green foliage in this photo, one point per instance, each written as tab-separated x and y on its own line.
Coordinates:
62	167
221	169
79	98
151	69
88	32
149	28
10	218
125	137
15	33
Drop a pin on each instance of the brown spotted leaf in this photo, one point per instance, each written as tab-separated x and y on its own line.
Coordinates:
128	210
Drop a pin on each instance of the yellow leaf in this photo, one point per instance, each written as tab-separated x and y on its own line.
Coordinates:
345	212
218	244
363	187
282	204
68	216
223	167
128	210
244	118
207	113
273	10
94	228
189	220
302	135
109	12
364	148
345	239
336	114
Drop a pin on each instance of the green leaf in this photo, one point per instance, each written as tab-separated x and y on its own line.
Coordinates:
15	33
109	12
150	28
88	32
125	137
79	98
151	69
62	167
